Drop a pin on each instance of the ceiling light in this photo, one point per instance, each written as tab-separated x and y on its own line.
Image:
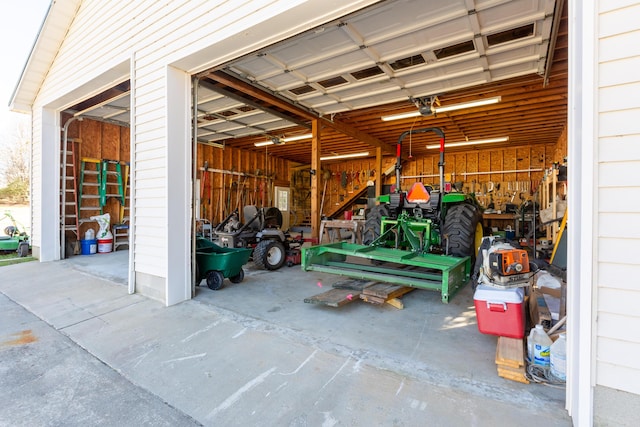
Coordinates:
273	141
345	156
463	143
280	141
297	137
422	110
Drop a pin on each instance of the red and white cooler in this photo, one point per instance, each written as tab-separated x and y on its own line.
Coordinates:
500	311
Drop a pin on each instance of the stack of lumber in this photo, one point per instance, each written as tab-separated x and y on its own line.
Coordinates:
346	291
510	359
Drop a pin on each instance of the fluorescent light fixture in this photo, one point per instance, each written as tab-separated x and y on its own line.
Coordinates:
345	156
296	137
435	110
280	141
472	104
463	143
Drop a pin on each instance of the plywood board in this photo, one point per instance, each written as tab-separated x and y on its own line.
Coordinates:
484	165
509	163
110	141
334	297
523	162
510	352
91	135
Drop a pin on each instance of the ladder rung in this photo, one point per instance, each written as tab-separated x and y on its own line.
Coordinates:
89	196
90	208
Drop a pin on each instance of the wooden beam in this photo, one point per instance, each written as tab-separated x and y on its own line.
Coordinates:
316	195
260	94
253	104
378	172
257	93
359	135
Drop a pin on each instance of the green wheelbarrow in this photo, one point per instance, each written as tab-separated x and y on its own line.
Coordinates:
214	263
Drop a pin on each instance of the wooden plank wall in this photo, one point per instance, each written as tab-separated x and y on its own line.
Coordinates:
248	179
476	169
103	141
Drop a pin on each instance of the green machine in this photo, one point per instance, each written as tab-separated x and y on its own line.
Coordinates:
424	238
14	240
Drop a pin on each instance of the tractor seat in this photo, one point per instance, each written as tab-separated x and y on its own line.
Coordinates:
250	211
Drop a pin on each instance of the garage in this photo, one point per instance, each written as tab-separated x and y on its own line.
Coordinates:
310	123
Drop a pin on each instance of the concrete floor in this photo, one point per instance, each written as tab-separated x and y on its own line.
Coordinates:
255	354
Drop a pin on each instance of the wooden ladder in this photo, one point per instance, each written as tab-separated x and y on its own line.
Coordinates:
69	198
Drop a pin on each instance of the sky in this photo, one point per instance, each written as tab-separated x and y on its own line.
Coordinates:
20	23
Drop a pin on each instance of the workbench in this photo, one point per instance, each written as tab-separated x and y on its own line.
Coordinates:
501	220
338	225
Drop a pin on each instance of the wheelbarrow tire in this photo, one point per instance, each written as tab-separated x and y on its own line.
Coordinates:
238	277
215	280
269	255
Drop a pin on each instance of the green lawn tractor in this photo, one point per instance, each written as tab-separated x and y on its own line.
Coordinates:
13	239
424	238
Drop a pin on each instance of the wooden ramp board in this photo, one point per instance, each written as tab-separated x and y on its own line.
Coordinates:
513	375
510	352
353	284
386	291
334	297
381	293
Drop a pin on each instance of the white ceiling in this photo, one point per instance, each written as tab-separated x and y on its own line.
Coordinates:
398	45
393	51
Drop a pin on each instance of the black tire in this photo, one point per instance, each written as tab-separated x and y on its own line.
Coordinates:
23	249
373	222
462	230
215	280
269	255
238	277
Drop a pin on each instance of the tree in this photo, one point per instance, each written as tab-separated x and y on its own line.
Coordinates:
14	165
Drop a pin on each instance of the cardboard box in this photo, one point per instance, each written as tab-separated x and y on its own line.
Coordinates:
538	310
500	311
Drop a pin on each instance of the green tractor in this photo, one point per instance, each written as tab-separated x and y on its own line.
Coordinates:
423	238
14	240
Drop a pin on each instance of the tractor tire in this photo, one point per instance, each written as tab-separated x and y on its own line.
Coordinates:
373	222
269	255
215	280
23	249
462	230
238	277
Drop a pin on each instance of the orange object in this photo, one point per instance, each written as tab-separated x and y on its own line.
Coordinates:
418	193
507	262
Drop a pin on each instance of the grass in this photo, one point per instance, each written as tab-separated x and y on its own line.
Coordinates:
13	258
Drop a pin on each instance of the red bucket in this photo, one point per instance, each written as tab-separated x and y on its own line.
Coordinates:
348	215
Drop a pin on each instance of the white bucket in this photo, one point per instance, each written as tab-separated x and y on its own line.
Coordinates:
105	245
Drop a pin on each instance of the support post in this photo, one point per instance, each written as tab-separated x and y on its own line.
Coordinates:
316	176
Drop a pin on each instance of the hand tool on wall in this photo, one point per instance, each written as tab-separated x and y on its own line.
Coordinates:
205	190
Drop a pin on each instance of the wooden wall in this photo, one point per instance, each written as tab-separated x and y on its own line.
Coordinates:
236	178
479	170
103	141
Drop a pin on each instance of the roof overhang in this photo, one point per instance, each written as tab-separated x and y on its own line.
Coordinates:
44	51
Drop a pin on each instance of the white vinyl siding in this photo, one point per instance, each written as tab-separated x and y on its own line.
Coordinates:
189	35
618	240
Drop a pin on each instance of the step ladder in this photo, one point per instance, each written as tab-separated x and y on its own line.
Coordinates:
120	230
69	197
89	189
111	184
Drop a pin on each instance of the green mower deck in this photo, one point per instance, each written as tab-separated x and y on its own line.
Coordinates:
419	270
